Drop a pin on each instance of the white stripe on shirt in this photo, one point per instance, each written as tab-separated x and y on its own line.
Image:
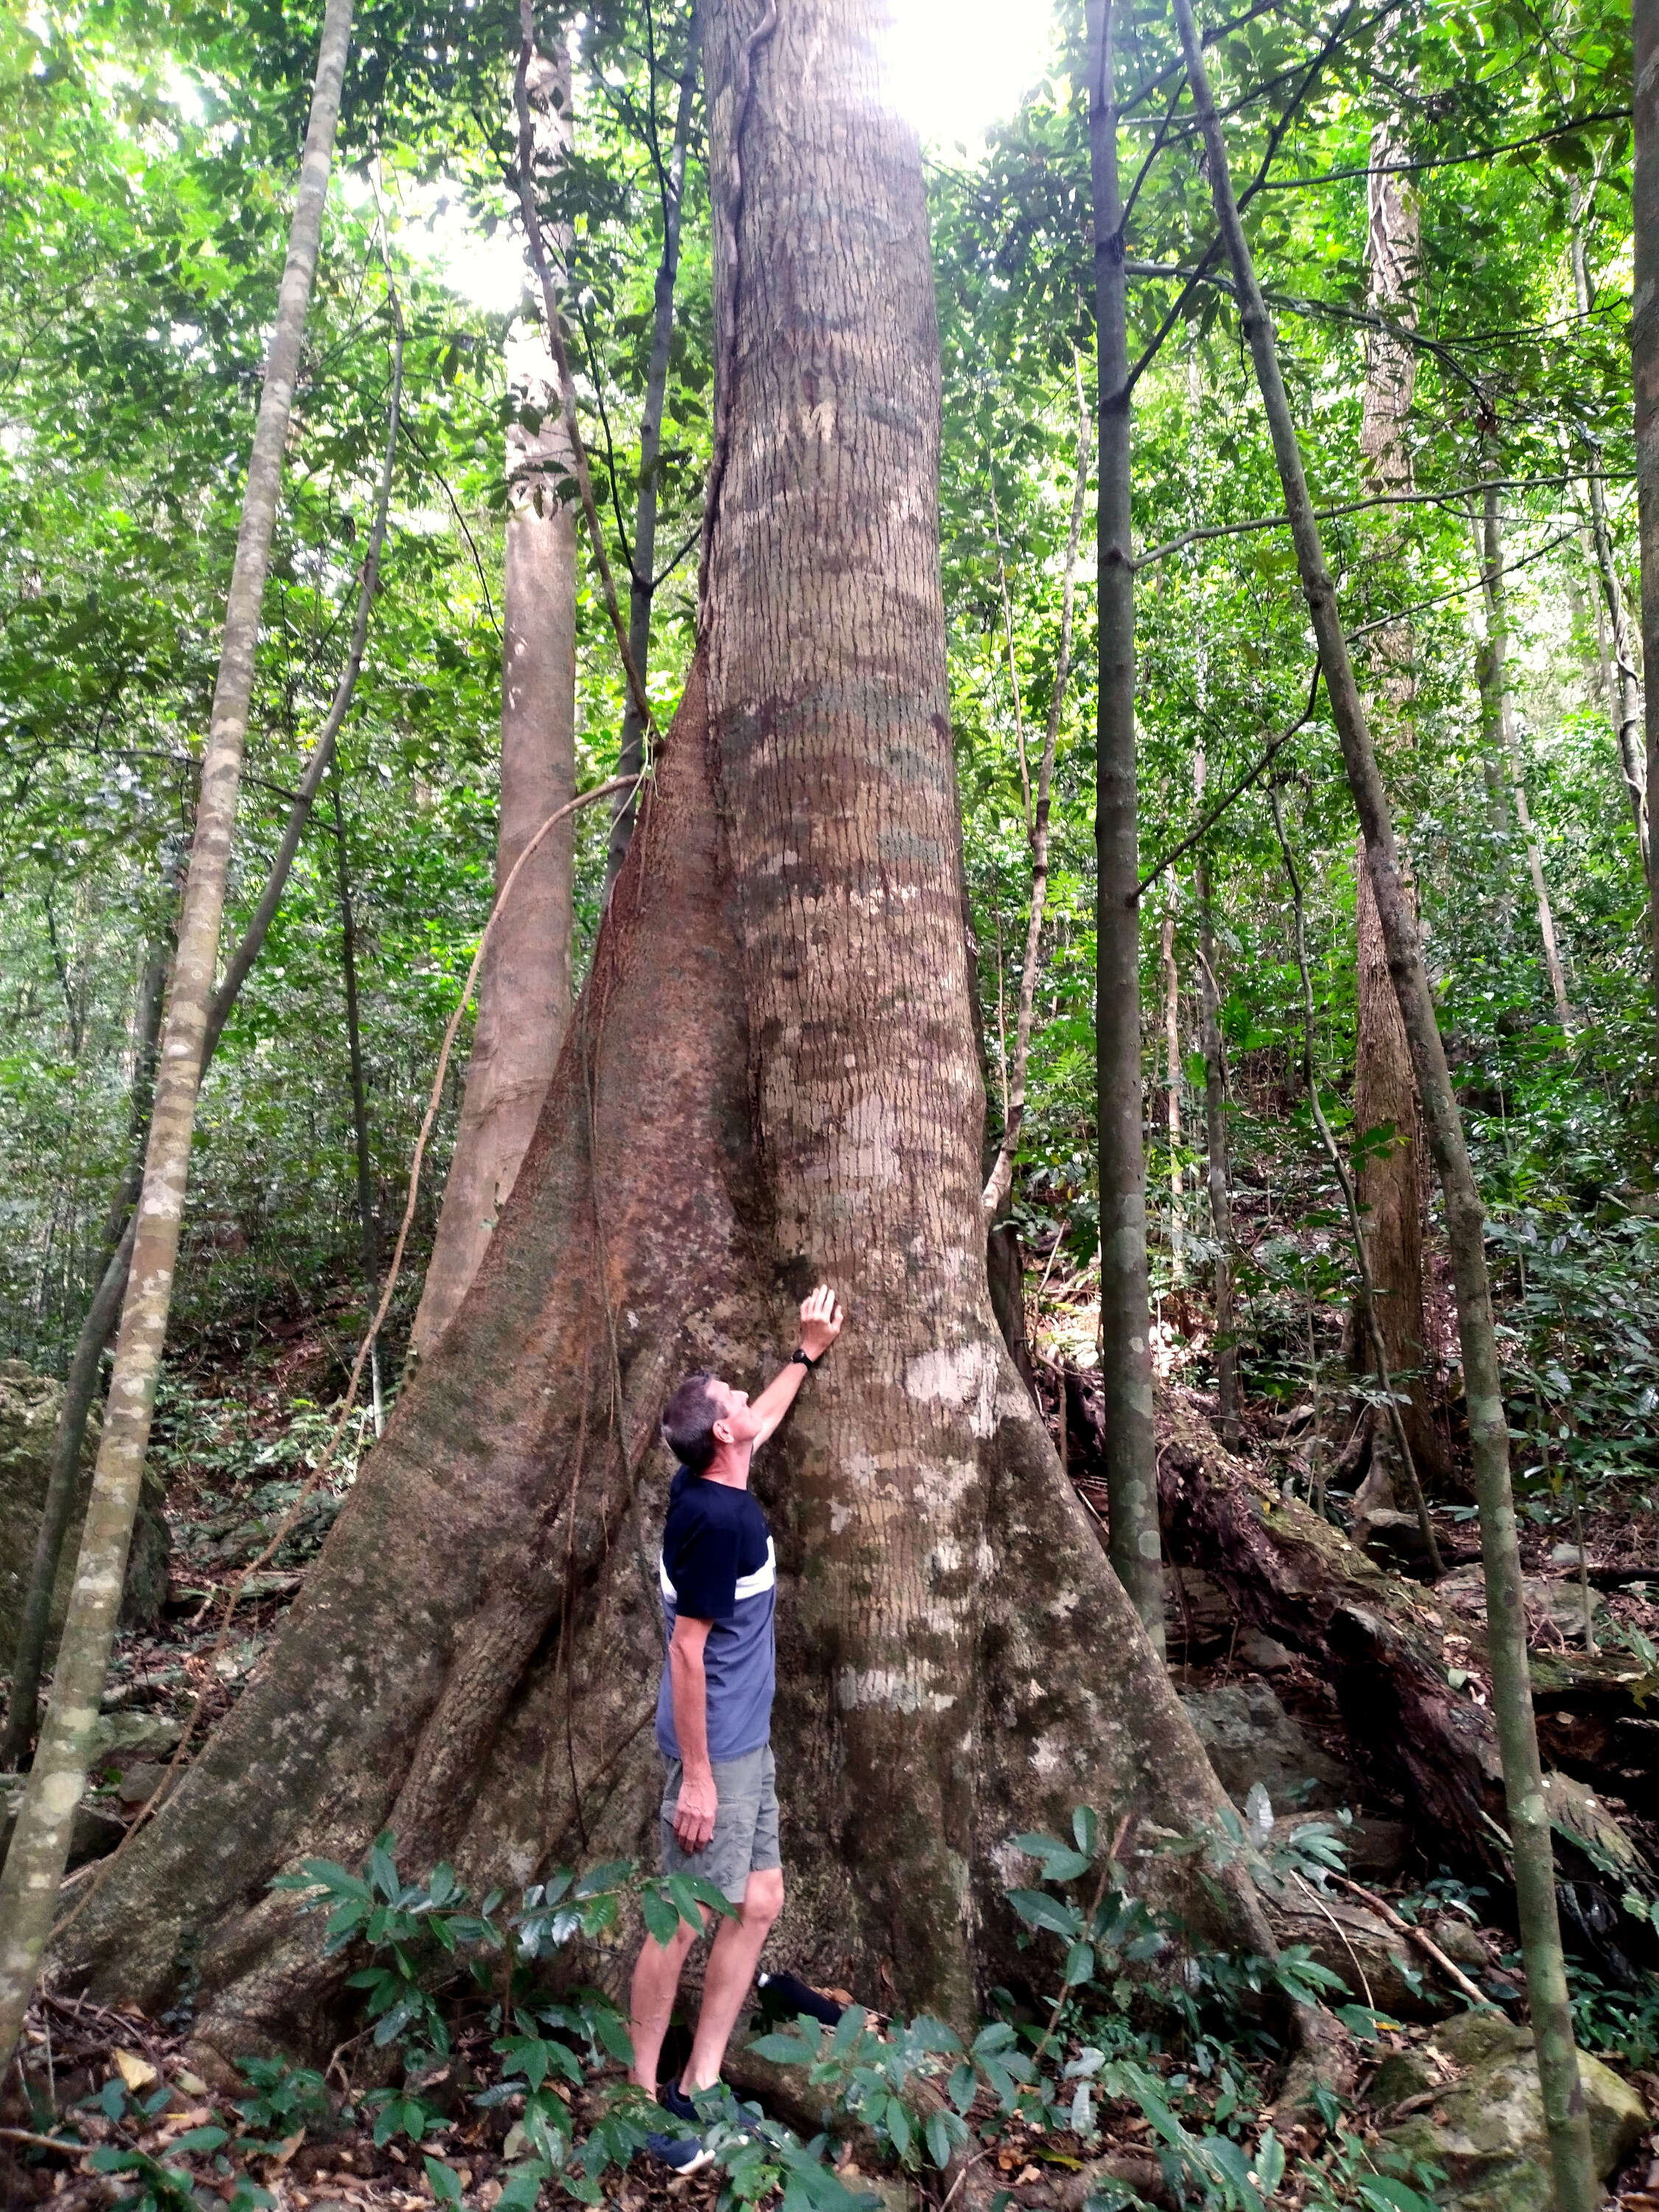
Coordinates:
756	1585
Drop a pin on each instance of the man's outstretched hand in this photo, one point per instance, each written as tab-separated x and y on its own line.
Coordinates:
820	1322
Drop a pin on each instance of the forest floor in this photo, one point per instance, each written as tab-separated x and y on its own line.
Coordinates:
104	2108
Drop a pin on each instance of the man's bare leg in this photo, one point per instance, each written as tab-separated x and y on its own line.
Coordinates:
651	2004
731	1962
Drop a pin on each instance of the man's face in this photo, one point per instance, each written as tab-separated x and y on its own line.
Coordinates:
737	1423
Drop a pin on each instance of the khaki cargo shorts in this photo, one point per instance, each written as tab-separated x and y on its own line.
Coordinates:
745	1838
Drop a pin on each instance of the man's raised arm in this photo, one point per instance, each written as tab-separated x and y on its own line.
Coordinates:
820	1325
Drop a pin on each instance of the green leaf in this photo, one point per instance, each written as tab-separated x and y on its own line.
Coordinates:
1084	1829
382	1868
662	1921
939	2139
207	2138
899	2127
1039	1910
445	2182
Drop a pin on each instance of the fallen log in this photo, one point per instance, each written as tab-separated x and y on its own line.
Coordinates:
1409	1677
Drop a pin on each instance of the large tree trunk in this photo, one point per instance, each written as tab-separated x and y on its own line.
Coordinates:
39	1846
524	991
771	1078
1384	1091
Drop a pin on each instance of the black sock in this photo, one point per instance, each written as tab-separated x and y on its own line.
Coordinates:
783	1996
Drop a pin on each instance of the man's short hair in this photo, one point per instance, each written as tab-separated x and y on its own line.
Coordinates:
688	1422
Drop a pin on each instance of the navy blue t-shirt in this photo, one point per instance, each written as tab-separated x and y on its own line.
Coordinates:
718	1565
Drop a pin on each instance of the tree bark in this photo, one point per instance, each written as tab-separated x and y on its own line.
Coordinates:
369	1239
1501	744
771	1078
1125	1305
643	580
1384	1091
1565	2109
1644	360
81	1383
34	1864
524	992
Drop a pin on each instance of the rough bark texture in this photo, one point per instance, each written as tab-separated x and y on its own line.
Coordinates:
1384	1090
1125	1309
771	1078
1525	1804
524	992
34	1864
1644	361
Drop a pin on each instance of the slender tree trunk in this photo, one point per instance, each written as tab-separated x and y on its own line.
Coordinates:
1501	744
366	1225
1000	1179
1565	2110
524	991
1385	1382
642	586
1218	1176
1626	703
1644	361
1125	1307
34	1864
80	1383
771	1078
1384	1092
1172	1093
80	1386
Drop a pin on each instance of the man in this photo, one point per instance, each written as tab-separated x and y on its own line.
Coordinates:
719	1810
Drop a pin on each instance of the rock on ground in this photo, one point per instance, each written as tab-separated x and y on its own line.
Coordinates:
1485	2126
29	1420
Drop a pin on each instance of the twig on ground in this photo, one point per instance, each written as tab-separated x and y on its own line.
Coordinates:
1455	1975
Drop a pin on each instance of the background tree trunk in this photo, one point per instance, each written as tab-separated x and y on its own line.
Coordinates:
771	1077
1502	745
1384	1090
81	1384
524	991
32	1653
1564	2112
35	1863
369	1242
1172	1093
643	580
1125	1355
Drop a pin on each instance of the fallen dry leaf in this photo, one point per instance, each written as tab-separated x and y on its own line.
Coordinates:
137	2073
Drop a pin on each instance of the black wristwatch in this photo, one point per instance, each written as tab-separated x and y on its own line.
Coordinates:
798	1356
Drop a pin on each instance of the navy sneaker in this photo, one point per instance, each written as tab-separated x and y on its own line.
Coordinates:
785	1996
685	2153
714	2106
